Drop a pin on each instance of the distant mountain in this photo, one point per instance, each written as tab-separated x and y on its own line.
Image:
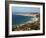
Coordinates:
29	14
25	13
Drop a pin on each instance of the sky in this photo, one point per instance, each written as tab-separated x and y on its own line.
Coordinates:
22	10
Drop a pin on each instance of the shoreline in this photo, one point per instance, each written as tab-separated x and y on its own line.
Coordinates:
35	19
27	25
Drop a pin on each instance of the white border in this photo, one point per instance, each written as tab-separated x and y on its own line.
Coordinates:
25	32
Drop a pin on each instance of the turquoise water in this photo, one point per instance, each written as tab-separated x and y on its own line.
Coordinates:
18	19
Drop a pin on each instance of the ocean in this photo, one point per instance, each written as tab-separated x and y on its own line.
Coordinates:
19	19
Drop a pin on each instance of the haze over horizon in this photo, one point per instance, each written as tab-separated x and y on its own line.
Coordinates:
24	10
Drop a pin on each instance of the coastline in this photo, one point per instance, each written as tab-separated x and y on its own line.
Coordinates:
28	26
34	19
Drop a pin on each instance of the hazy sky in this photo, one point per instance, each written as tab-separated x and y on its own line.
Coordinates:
21	10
